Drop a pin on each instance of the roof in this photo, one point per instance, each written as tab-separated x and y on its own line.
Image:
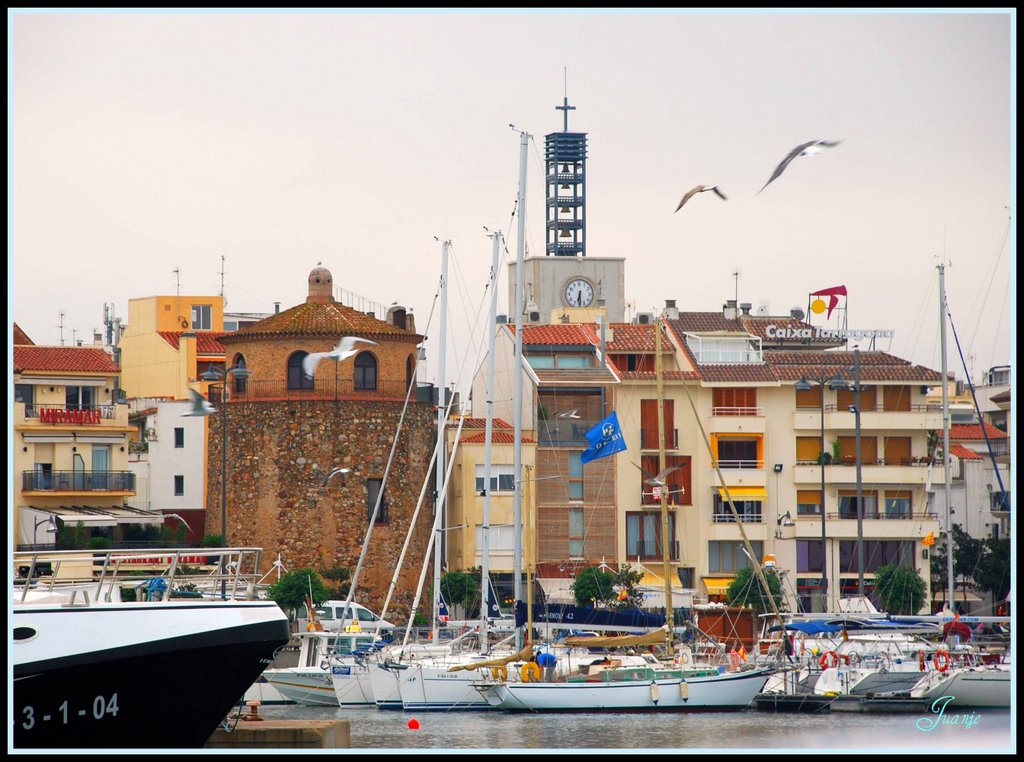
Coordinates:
63	359
575	376
20	337
964	453
497	437
627	337
207	342
874	367
968	432
569	334
330	319
481	423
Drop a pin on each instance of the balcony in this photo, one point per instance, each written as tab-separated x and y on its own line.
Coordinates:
737	420
557	432
918	418
77	481
912	471
739	473
745	518
650	550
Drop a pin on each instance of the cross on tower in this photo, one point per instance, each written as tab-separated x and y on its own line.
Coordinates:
565	108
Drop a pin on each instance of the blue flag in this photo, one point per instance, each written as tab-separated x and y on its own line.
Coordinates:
442	609
605	439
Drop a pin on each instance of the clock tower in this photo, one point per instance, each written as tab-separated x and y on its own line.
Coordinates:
565	285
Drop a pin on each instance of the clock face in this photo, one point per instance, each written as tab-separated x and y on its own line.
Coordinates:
579	293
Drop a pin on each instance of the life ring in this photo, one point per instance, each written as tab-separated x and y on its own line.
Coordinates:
941	660
499	673
830	659
530	672
683	658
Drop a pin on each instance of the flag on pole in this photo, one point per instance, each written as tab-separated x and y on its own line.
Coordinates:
605	439
743	652
442	609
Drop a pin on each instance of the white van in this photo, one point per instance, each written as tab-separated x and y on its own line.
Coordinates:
330	615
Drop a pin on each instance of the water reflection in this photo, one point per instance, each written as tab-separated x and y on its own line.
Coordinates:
373	729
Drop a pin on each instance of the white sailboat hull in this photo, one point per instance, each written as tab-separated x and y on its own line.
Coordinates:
426	687
309	686
726	691
970	686
352	684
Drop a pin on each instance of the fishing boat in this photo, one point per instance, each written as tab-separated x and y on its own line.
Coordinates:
92	668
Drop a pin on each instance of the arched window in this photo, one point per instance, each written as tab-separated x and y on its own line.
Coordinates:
366	372
410	370
240	379
296	378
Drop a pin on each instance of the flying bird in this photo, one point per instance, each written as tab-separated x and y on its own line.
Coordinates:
345	349
659	480
804	149
700	189
570	414
334	472
200	405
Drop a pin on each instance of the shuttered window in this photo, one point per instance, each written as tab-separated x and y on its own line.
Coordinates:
809	398
897	451
649	424
868	450
734	401
896	398
808	449
808	502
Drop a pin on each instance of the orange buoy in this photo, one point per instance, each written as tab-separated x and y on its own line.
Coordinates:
414	724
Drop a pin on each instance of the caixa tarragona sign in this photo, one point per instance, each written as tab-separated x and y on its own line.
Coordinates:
62	415
773	331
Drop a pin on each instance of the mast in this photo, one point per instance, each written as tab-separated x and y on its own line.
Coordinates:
518	370
442	410
666	540
945	442
485	527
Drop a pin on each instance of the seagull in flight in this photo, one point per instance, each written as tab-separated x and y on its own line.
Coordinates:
804	149
344	350
700	189
659	480
574	413
334	472
200	405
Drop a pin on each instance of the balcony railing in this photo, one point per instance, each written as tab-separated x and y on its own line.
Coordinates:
557	431
319	389
748	411
875	515
70	413
726	465
78	481
746	518
138	447
648	550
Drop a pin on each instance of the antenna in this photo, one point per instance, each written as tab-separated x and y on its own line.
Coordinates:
736	275
222	278
177	278
61	326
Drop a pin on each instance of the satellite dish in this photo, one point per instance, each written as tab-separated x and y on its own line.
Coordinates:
184	322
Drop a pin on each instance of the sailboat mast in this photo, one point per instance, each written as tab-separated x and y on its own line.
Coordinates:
517	466
442	409
945	442
666	539
485	528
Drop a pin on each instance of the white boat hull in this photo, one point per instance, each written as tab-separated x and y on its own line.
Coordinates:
973	687
734	690
352	684
425	687
308	686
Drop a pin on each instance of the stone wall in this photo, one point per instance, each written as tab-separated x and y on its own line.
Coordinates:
278	456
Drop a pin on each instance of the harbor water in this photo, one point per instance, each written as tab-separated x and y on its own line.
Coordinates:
963	730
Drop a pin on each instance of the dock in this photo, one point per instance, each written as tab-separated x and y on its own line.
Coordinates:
283	734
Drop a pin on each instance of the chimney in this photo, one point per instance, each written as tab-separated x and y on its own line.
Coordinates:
670	309
729	309
277	307
745	308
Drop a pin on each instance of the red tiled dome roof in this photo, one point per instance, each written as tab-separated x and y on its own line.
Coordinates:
329	319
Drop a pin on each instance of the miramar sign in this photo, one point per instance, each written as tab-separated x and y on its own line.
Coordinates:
62	415
773	331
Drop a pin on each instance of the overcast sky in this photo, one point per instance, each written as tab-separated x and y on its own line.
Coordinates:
141	143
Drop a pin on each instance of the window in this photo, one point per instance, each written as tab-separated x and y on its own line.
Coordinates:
633	362
179	436
847	397
373	488
366	372
575	533
748	510
896	398
202	317
541	361
730	556
677	482
687	575
897	451
877	553
848	504
297	378
809	556
868	450
737	452
809	398
502	478
643	535
649	425
897	504
733	401
574	484
239	379
808	502
24	393
808	449
179	485
79	397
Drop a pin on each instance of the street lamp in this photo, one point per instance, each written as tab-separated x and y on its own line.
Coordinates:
805	385
213	375
50	529
785	520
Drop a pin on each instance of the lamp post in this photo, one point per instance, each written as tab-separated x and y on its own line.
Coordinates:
51	528
213	375
805	385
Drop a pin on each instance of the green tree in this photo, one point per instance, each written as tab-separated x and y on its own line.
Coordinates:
594	586
746	590
72	536
291	590
338	582
462	589
900	589
629	596
993	574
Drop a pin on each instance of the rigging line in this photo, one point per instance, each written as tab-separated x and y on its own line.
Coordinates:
977	409
980	307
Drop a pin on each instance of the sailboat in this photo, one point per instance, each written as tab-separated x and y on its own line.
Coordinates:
647	685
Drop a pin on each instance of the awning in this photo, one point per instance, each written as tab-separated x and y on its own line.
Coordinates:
557	589
958	595
745	493
100	438
717	585
48	438
95	517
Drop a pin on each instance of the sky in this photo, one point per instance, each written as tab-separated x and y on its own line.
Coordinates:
257	144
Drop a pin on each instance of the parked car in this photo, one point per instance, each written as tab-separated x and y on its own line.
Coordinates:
331	617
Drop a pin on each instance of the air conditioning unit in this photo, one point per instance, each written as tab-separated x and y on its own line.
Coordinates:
534	317
501	319
645	318
150	435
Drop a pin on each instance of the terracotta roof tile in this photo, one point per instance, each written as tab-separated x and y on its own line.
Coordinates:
497	437
669	375
627	337
970	432
63	359
207	342
481	423
758	326
569	334
964	453
575	376
754	373
874	367
20	337
318	319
